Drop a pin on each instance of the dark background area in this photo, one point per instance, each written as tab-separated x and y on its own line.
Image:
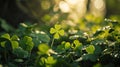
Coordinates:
10	12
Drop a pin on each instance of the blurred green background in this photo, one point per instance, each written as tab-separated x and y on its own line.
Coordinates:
50	12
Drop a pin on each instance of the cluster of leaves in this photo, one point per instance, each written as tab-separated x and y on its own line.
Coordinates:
31	47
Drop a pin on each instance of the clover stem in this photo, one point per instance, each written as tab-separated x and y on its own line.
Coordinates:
52	42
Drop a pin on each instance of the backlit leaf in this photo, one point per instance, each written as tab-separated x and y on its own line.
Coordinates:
76	42
90	49
57	27
27	39
61	32
3	43
56	36
50	60
7	36
42	61
29	46
67	45
14	37
43	48
14	44
52	30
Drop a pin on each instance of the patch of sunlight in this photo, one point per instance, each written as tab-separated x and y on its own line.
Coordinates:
78	8
64	7
1	65
74	16
98	8
99	4
72	2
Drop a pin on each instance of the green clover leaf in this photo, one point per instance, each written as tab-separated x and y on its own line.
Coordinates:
6	36
56	36
61	32
90	49
77	43
57	27
50	60
57	31
52	30
67	45
14	44
43	48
